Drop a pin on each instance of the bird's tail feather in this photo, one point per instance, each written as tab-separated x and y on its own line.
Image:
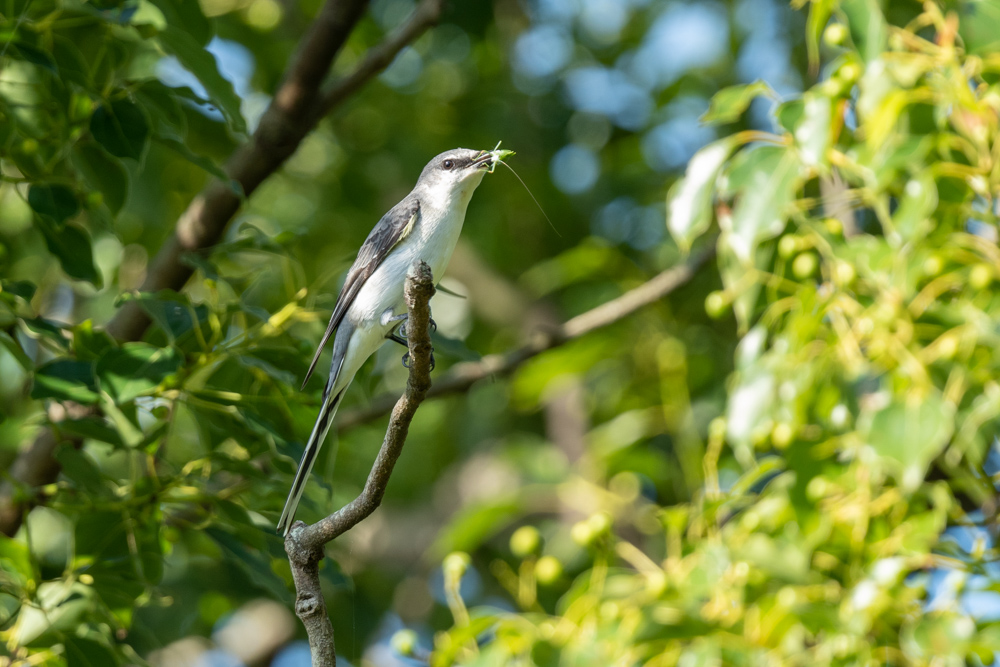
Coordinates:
316	438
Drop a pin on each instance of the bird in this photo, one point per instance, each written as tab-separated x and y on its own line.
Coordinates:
424	225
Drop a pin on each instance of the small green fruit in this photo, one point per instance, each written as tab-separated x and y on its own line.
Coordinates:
835	34
805	265
525	541
548	569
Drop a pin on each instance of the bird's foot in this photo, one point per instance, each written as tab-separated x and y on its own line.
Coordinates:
399	335
407	364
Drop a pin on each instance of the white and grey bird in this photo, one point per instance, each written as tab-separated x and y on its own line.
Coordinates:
425	225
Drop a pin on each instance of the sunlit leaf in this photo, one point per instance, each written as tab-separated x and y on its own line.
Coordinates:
912	217
909	433
766	179
868	27
689	202
813	134
728	104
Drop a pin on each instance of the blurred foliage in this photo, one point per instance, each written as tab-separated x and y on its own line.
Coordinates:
789	461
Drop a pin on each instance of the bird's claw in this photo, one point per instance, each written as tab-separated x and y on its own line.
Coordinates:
407	364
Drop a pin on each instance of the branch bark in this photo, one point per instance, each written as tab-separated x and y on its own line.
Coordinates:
304	543
463	376
298	105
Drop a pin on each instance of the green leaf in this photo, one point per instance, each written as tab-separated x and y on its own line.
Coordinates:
199	161
104	173
61	609
729	103
819	16
476	523
162	104
92	428
81	652
186	15
70	61
689	201
121	127
71	245
813	134
56	201
980	26
171	311
16	559
135	369
202	64
909	433
78	467
22	289
15	350
35	56
868	27
912	218
39	327
89	344
766	179
66	380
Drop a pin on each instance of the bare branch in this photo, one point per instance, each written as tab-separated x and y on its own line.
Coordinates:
463	376
298	105
304	544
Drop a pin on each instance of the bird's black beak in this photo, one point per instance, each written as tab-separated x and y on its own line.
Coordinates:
483	161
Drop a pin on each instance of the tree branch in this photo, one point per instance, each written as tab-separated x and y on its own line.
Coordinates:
298	105
463	376
304	544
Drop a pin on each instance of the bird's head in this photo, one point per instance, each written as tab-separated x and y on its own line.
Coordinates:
454	175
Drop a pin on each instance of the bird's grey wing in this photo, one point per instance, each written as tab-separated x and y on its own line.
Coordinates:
390	230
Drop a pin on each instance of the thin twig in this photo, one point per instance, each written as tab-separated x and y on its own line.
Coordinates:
378	58
464	375
304	544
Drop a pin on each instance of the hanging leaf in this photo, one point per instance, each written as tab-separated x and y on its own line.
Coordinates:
71	245
35	56
729	103
121	127
104	173
135	369
66	380
202	64
814	132
56	201
908	434
203	162
868	27
912	217
186	15
22	289
689	202
172	312
765	180
819	16
89	344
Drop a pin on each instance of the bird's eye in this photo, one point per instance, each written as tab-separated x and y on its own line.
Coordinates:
449	164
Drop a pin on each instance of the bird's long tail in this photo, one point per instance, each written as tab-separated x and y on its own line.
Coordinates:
331	401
